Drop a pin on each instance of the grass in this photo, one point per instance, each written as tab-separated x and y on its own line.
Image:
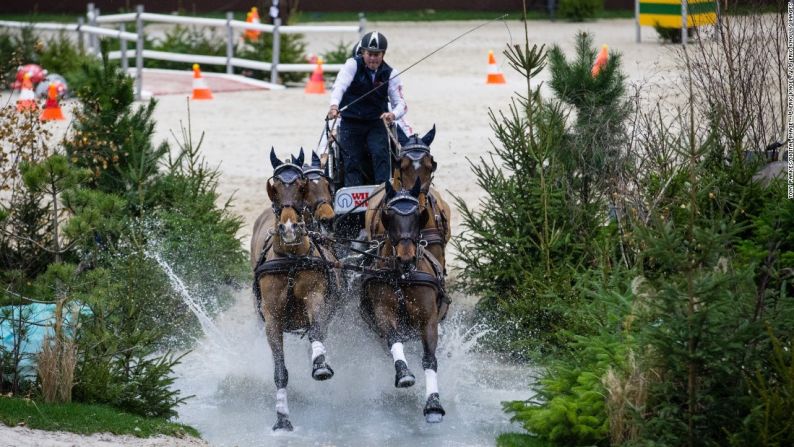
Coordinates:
520	440
85	419
427	15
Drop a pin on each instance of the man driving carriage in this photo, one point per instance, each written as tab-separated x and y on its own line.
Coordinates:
363	91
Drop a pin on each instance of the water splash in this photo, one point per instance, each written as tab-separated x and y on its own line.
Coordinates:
235	393
208	327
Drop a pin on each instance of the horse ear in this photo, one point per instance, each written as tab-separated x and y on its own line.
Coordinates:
274	161
299	160
417	187
401	136
390	192
428	138
315	160
271	191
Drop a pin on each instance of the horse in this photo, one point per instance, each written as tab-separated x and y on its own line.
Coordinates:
294	282
319	196
414	161
402	293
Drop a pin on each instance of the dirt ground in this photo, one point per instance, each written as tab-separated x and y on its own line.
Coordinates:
447	90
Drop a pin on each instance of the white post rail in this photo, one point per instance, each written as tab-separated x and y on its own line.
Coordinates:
90	25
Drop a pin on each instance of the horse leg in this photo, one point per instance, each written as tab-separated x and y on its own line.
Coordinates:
433	411
275	339
425	314
316	309
386	320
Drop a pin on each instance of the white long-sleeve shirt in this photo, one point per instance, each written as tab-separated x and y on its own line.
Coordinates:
345	77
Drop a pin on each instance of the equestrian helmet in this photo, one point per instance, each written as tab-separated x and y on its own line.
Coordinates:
374	42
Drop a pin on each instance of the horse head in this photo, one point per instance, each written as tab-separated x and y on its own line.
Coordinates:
287	191
402	218
319	195
414	160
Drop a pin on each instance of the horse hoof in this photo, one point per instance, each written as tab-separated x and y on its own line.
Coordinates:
320	369
403	377
283	423
434	412
434	418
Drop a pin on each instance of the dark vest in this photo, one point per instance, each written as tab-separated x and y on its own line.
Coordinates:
374	104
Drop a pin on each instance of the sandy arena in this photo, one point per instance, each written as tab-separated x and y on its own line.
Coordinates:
447	90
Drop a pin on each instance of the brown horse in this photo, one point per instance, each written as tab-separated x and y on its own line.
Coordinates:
319	195
294	283
414	161
403	293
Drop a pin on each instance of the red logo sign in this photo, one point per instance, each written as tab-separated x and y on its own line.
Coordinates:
359	198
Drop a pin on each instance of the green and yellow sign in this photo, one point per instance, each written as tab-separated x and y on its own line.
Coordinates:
667	13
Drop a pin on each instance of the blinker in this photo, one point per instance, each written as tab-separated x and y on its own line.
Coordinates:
288	173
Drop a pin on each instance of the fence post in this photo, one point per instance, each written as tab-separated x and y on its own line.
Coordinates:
637	19
551	7
718	25
139	52
276	50
684	30
229	42
125	64
91	22
362	24
80	42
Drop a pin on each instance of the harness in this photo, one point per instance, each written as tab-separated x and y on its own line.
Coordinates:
433	236
315	260
398	279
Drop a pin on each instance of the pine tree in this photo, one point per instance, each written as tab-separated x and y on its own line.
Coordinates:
114	140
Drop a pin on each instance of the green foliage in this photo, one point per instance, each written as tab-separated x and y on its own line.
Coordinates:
571	410
771	421
62	56
292	51
541	220
188	40
339	54
520	440
112	140
85	419
119	345
580	10
193	40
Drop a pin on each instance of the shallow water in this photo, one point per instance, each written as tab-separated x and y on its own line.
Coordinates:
231	376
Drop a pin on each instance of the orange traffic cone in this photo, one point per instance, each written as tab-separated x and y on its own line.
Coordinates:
601	60
252	17
494	75
200	89
27	99
316	83
52	111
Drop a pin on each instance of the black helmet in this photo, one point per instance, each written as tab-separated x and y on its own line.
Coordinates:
357	49
374	42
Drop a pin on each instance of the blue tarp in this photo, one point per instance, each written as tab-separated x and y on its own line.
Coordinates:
38	320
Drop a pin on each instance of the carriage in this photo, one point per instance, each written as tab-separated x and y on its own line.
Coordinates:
298	262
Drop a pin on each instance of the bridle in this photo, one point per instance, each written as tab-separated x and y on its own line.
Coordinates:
415	151
311	174
404	204
288	174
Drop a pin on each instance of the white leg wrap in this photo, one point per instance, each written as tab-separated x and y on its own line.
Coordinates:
317	349
281	402
397	352
431	382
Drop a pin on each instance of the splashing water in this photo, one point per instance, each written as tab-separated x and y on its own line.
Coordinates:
235	394
208	327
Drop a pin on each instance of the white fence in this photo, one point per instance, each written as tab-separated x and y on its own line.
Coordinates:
91	30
